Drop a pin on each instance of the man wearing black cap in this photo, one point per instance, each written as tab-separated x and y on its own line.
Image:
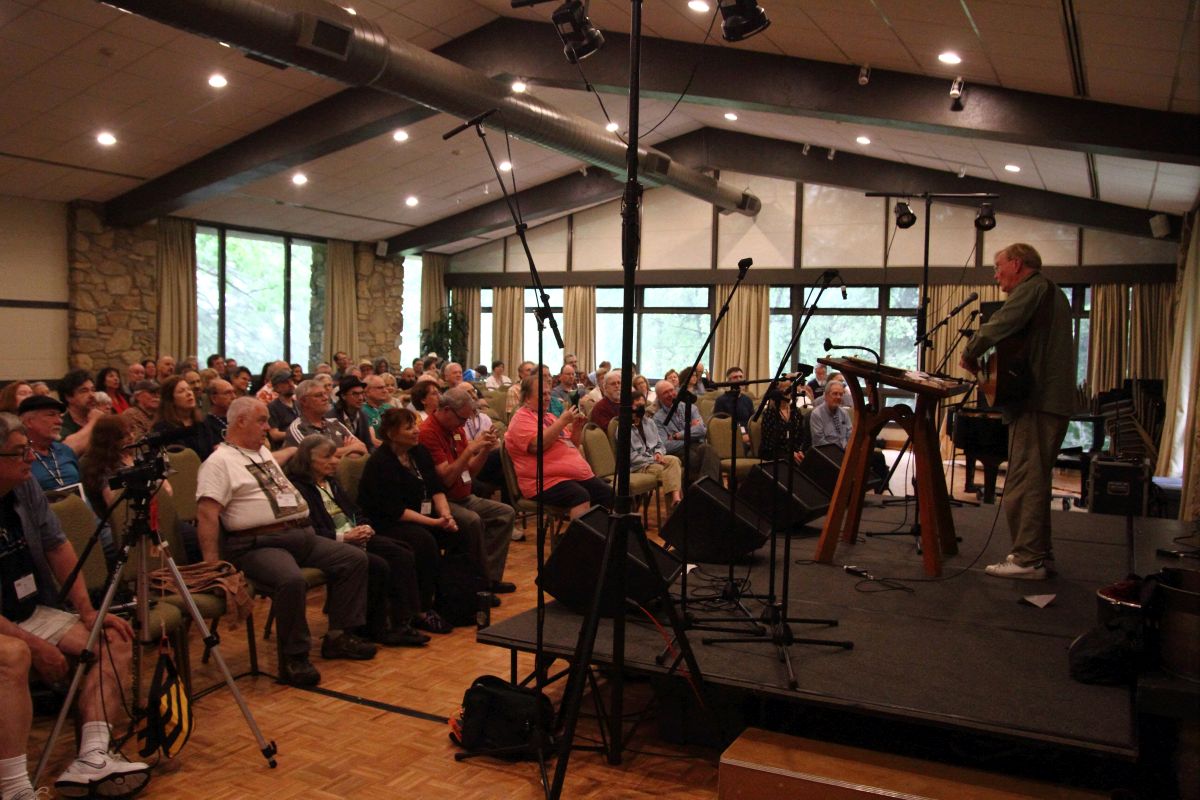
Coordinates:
143	412
55	465
281	411
348	410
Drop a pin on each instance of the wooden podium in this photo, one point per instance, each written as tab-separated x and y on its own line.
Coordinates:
845	509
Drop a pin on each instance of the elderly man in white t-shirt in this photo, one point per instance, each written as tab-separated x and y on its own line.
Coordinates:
243	493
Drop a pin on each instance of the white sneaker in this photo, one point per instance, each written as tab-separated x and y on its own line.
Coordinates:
1009	568
40	793
104	775
518	535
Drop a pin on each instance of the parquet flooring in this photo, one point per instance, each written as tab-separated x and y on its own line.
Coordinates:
332	748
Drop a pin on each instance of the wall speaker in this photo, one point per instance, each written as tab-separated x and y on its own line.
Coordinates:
712	535
570	574
766	491
381	248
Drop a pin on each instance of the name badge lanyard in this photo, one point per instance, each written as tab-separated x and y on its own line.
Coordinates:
51	466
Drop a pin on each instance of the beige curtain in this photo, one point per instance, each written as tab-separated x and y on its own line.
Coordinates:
1181	428
1108	348
1150	333
508	326
943	298
467	300
176	288
433	288
341	299
579	325
744	338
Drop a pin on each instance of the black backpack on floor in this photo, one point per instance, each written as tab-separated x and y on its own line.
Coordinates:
504	720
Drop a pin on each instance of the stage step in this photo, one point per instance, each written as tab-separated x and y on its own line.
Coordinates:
761	764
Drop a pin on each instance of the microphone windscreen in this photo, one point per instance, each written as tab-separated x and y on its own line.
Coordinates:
828	345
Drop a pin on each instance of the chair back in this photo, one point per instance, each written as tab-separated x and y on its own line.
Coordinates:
718	434
613	424
79	523
185	473
598	451
755	430
705	403
350	472
510	473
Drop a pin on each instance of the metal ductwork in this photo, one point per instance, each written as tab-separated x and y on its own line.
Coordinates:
328	40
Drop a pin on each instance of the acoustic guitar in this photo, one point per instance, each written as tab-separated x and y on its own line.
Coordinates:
1005	377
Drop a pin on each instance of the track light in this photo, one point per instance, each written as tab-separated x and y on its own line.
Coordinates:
804	150
985	220
832	153
579	36
864	75
905	218
956	87
742	19
962	172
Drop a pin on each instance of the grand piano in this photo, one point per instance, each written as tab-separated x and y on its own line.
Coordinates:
982	436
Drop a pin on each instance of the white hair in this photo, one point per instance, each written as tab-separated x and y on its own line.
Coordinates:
241	408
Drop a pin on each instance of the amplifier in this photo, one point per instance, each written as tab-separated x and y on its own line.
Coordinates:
1119	487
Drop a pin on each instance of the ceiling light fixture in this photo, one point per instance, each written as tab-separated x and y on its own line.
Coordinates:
905	218
505	166
1011	168
863	140
732	117
864	75
105	138
956	87
217	81
804	150
225	44
579	36
962	172
519	86
949	57
741	19
400	135
611	127
299	179
985	220
699	6
832	153
411	201
351	11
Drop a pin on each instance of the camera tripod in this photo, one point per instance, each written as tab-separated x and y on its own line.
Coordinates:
140	482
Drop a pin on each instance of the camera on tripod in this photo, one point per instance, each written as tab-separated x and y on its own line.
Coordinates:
150	466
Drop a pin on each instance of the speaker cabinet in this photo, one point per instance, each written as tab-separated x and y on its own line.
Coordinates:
570	574
765	491
1118	487
712	536
822	465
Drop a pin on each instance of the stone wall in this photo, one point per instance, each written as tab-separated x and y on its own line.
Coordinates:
380	283
113	292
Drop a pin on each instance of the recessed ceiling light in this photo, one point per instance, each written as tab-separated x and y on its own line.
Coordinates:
411	201
949	57
299	179
732	117
1011	168
224	44
699	6
611	127
400	135
519	86
105	138
217	81
863	140
351	11
505	166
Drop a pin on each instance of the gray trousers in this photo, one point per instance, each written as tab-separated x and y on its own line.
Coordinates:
1034	441
273	562
487	526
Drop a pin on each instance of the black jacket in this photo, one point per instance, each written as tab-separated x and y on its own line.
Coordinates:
321	521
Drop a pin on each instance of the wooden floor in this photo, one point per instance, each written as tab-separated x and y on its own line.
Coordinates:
333	748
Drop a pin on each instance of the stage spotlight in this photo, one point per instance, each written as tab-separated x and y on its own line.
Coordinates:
579	36
742	19
864	75
956	87
905	218
985	220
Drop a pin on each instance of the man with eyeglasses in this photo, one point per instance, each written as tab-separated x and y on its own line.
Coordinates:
487	524
35	634
312	399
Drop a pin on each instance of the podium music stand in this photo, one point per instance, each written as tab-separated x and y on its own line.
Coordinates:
933	501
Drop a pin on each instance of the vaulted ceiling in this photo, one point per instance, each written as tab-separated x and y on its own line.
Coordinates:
1094	101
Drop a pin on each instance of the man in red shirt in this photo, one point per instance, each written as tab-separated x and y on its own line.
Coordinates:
487	524
609	406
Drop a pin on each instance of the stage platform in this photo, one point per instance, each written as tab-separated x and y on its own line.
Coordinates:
962	652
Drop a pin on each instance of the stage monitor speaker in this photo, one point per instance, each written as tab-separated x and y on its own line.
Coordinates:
570	574
712	536
765	491
1118	487
822	465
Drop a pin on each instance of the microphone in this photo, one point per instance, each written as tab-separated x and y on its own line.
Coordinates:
828	344
471	123
971	298
830	274
743	266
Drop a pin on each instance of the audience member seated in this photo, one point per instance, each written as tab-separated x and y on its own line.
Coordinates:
703	460
784	433
376	400
217	363
392	577
76	389
266	390
241	381
36	634
55	465
231	368
642	385
150	368
830	421
341	364
251	515
425	396
312	400
108	380
348	409
365	368
12	395
736	404
297	372
563	393
133	373
407	379
567	479
220	395
401	492
143	413
497	380
282	411
102	402
452	373
609	405
695	381
513	398
381	367
648	453
817	385
177	411
673	377
164	368
488	525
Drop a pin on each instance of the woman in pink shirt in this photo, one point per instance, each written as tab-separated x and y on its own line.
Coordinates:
567	479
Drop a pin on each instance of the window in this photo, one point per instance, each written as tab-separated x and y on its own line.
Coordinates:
552	355
485	329
410	312
882	319
259	296
675	320
1079	434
